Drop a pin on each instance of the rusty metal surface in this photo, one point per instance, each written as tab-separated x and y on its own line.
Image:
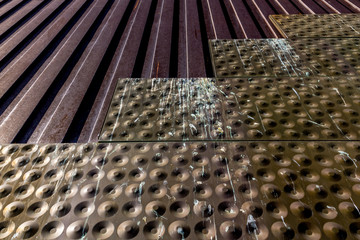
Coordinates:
233	109
44	44
320	25
247	190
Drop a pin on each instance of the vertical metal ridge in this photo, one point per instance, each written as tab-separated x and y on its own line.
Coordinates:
47	99
13	10
181	40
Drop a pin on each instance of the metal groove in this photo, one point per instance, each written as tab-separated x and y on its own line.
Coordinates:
207	57
4	2
13	10
30	71
82	113
31	36
173	68
43	105
181	50
140	57
22	21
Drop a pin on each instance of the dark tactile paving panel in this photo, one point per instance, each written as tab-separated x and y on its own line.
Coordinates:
234	109
247	190
317	25
284	57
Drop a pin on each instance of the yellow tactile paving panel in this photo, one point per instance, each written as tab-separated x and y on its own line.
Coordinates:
234	109
317	25
194	190
310	57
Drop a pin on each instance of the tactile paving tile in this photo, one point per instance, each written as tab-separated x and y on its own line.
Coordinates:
284	57
336	56
317	25
234	109
257	57
247	190
164	109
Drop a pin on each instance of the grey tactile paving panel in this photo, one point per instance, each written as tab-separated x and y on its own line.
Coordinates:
284	57
247	190
317	25
234	109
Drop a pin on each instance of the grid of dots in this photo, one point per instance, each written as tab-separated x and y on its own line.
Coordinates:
244	190
310	57
317	25
235	109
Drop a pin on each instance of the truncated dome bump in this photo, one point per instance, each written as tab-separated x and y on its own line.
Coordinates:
154	230
77	229
155	209
282	190
132	209
52	230
60	209
27	229
13	209
128	230
84	209
230	230
107	209
179	230
103	230
37	209
6	228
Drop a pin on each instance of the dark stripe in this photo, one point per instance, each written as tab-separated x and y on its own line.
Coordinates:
77	124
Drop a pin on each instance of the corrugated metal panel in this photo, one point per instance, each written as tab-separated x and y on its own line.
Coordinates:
60	60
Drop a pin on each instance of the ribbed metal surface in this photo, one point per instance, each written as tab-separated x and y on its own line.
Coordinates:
60	60
247	190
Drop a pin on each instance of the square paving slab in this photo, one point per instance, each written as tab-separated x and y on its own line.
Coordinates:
247	190
317	25
234	109
311	57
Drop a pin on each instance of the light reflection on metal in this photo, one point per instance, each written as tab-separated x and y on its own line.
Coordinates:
311	57
317	25
194	190
317	108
